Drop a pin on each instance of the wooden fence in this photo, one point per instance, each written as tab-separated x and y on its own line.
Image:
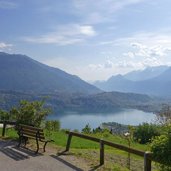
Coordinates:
5	123
146	155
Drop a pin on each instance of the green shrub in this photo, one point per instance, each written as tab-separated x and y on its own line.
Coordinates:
161	148
145	132
86	129
4	115
53	125
30	113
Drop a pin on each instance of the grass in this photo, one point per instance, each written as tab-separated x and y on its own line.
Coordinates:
114	159
60	139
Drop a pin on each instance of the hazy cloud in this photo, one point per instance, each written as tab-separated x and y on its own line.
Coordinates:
146	51
95	66
5	46
146	62
100	11
108	64
129	54
65	35
5	4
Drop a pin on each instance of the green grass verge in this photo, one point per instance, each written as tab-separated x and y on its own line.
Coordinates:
114	159
60	139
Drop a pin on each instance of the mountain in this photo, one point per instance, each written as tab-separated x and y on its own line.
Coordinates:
147	73
21	73
101	102
107	101
144	82
116	83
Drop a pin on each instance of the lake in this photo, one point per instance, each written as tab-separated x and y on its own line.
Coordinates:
74	120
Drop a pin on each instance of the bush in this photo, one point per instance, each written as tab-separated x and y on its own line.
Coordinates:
161	148
4	115
164	115
86	129
53	125
30	113
145	132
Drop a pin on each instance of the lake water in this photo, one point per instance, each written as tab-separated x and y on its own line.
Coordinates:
74	120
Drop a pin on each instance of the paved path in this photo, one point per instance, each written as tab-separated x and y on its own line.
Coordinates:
21	159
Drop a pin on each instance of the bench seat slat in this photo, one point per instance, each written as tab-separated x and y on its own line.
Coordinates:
33	137
26	131
32	131
30	127
23	133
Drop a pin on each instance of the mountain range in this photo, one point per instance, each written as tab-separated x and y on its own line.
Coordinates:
24	78
23	74
152	81
97	103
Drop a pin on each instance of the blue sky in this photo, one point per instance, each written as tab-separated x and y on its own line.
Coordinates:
93	39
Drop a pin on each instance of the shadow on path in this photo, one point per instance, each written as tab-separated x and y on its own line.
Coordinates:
66	163
13	154
27	151
95	168
7	143
65	153
10	149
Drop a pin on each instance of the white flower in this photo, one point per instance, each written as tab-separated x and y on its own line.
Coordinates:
126	134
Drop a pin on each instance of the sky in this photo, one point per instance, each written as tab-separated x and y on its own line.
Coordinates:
93	39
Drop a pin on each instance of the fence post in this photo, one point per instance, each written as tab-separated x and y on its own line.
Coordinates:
147	161
101	152
4	127
69	141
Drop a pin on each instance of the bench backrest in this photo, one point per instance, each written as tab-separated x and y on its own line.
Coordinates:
32	132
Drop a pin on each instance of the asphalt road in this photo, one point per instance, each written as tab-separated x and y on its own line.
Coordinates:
13	158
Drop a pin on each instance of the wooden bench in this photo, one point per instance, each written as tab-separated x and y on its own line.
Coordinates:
25	132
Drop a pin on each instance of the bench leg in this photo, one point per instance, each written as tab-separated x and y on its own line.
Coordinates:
25	141
37	146
20	140
45	146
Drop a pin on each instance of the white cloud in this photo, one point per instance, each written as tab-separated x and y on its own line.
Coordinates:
100	11
129	64
95	66
140	64
144	45
65	35
146	51
129	54
152	61
108	64
103	5
146	39
87	30
5	4
5	46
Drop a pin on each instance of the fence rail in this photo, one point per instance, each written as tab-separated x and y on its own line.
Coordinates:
146	155
5	123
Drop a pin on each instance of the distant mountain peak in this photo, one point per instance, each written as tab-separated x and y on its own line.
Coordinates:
22	73
152	81
146	73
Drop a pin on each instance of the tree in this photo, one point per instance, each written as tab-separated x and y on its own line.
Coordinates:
86	129
30	113
4	115
53	125
164	115
145	132
161	147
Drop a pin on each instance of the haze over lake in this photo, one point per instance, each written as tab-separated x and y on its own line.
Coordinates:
74	120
